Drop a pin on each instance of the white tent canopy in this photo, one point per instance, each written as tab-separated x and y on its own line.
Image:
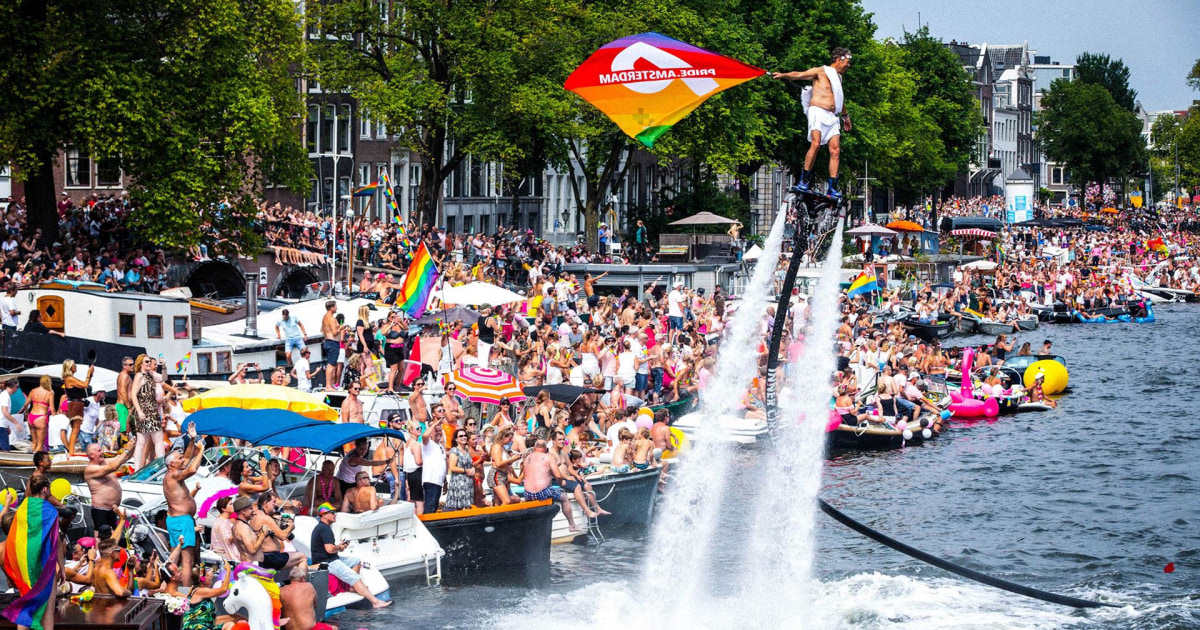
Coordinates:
102	379
753	253
980	265
476	293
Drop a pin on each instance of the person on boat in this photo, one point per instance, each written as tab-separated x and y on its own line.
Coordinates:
449	400
223	542
391	450
147	421
660	432
58	430
434	460
362	497
1025	350
298	601
502	417
38	403
324	488
643	446
575	481
101	573
241	376
241	475
275	555
249	539
35	325
502	460
13	421
181	506
291	331
622	452
352	407
1036	394
202	600
538	468
460	475
75	393
416	403
354	462
326	550
393	330
103	486
330	347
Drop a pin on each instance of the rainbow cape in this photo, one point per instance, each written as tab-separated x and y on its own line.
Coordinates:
418	283
646	83
386	184
30	560
864	283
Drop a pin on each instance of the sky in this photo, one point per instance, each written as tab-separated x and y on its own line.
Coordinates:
1158	40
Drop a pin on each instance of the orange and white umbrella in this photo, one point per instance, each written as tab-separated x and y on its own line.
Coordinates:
485	385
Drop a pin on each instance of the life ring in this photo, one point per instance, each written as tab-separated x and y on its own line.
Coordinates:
1056	376
681	443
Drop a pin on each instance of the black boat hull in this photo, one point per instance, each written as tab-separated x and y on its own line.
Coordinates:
630	497
511	540
929	332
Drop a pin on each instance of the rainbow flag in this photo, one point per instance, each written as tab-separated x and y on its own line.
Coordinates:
366	191
30	560
391	199
646	83
864	283
418	283
182	364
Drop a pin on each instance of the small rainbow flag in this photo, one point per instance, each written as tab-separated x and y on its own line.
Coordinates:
366	191
391	199
418	283
30	560
182	364
864	283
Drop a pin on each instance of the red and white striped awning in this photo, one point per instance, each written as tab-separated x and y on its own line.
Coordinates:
973	233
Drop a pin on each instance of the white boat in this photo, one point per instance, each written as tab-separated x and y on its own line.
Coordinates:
391	539
731	428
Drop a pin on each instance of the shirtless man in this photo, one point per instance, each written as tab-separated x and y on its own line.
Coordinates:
361	498
297	601
388	450
416	402
823	110
272	547
125	392
101	477
181	506
100	574
352	407
329	345
454	410
660	432
539	472
324	488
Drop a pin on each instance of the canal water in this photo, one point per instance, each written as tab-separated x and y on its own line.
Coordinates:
1095	499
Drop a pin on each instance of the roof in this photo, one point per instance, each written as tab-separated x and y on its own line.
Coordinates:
1008	55
276	427
1018	175
308	313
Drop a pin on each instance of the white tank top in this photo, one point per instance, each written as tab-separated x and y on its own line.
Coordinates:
410	460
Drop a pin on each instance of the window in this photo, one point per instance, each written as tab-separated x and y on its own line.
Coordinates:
314	129
469	225
126	325
451	224
327	193
108	173
364	127
343	188
380	130
79	170
314	193
344	130
154	326
364	174
204	363
181	327
485	224
329	129
224	363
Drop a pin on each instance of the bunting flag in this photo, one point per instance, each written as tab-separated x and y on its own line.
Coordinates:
30	560
418	283
386	184
864	283
646	83
182	364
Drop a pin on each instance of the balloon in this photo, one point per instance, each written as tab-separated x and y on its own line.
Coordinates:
908	435
8	496
901	425
926	433
643	422
925	422
60	488
986	389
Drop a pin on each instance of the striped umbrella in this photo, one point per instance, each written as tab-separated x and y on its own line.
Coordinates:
973	233
485	385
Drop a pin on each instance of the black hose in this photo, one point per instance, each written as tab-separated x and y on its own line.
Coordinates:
946	565
772	408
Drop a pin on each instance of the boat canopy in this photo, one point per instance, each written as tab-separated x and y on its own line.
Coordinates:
277	427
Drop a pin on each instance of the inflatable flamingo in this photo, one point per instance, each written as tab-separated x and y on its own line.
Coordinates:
964	404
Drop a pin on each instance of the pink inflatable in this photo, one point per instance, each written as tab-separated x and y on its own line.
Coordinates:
964	404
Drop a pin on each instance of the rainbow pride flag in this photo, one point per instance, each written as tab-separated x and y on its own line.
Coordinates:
30	560
418	283
366	191
646	83
182	364
391	199
864	283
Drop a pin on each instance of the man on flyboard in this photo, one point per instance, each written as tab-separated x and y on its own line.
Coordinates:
823	104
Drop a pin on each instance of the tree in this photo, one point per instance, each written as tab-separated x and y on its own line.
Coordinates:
1194	76
1111	74
193	99
1082	127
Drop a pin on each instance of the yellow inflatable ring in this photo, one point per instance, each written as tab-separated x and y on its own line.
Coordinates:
1056	376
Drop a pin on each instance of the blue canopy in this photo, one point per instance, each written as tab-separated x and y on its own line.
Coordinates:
278	427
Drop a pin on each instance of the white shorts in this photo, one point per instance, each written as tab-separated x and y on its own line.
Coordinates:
824	121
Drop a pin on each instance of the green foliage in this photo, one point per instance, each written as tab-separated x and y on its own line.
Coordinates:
1193	77
1082	127
1189	149
1111	74
193	98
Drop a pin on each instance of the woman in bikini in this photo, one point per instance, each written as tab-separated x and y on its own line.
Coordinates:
75	391
39	403
502	461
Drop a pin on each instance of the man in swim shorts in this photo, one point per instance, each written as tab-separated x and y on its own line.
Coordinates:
181	505
125	392
539	474
823	104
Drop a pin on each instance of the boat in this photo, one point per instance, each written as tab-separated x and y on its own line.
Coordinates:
391	539
60	463
510	537
630	497
967	324
873	435
993	328
731	428
1027	322
679	407
931	331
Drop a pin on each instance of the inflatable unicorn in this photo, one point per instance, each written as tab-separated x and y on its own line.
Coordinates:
254	589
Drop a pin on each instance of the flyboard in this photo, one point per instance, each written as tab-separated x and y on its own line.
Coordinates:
817	214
